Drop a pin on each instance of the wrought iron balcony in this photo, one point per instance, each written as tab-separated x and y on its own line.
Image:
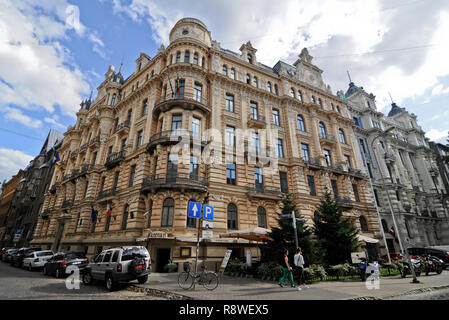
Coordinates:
84	168
66	204
185	100
182	181
114	159
123	127
344	202
336	168
355	172
54	187
75	173
94	140
84	147
263	192
170	137
45	214
65	177
73	153
107	193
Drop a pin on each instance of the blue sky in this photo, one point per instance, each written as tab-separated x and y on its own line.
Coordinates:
50	60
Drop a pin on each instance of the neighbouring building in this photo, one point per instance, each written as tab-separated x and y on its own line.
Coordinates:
410	169
8	190
29	196
120	155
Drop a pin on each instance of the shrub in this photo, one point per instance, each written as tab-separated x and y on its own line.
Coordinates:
171	267
237	266
276	270
339	270
264	270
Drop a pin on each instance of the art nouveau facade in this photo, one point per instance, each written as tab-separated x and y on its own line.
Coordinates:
120	152
409	167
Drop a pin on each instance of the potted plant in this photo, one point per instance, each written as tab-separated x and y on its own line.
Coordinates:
171	267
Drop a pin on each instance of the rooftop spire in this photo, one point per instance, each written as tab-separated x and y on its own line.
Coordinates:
121	66
349	76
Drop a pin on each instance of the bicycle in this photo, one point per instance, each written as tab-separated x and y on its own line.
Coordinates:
208	279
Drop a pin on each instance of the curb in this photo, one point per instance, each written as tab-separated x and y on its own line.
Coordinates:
158	293
411	292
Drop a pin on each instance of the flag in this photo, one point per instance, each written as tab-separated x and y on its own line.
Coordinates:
172	92
393	233
177	85
56	160
94	215
108	210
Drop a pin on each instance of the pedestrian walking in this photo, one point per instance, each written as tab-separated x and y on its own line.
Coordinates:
299	266
287	271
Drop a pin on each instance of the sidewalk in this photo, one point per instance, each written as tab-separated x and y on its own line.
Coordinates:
232	288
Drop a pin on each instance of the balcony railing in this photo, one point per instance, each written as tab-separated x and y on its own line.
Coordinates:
73	153
314	162
186	181
256	120
169	137
181	98
45	213
107	193
54	187
94	140
356	172
75	173
328	138
85	167
115	158
263	191
66	204
344	202
84	147
125	124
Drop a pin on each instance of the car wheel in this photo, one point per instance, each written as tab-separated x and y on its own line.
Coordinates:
87	278
110	284
143	279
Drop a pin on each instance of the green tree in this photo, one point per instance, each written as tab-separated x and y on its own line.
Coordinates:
335	235
284	236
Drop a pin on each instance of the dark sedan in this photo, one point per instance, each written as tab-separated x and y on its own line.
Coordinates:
59	263
17	258
8	254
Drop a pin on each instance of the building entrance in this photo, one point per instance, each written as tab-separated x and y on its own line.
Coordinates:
162	258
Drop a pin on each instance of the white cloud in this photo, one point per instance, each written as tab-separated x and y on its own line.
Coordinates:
35	73
17	115
54	121
11	161
437	135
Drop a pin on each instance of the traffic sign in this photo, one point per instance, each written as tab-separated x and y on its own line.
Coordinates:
208	224
208	212
208	234
194	210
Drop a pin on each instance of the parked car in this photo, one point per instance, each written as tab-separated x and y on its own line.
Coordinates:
3	251
8	255
37	259
119	265
17	258
58	264
417	253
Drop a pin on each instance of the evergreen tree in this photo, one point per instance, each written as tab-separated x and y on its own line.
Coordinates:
335	235
284	236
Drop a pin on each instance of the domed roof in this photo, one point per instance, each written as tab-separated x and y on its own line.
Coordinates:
190	20
191	28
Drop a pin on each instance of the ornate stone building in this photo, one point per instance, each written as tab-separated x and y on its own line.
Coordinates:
120	154
7	196
409	167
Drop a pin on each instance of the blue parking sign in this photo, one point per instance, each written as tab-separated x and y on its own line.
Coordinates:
208	212
194	210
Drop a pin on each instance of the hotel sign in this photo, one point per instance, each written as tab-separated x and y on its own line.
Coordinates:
158	235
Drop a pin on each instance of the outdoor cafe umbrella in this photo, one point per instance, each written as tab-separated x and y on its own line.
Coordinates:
253	234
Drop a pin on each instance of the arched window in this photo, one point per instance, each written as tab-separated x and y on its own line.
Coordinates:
313	100
232	217
269	87
168	211
322	130
203	62
125	217
255	82
248	79
301	124
233	73
195	58
300	95
225	70
250	58
292	93
320	102
178	57
342	136
262	217
363	224
276	91
150	214
385	226
187	57
332	107
113	99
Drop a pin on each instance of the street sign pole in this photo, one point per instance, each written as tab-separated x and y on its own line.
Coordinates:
200	222
294	227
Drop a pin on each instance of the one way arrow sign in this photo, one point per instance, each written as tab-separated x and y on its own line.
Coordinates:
194	210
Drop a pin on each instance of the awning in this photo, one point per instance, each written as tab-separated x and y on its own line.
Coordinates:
366	239
252	234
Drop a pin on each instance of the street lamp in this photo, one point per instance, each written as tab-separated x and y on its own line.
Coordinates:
401	242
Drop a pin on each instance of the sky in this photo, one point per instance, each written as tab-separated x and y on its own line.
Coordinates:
53	53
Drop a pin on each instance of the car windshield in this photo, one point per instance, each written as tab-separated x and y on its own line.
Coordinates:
75	255
130	253
44	253
13	250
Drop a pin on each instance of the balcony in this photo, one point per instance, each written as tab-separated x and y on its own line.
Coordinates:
114	159
357	173
66	204
336	168
54	187
327	139
185	100
73	153
313	163
45	214
85	168
95	141
183	181
65	177
345	203
84	147
263	155
263	192
104	195
75	173
257	121
389	157
123	128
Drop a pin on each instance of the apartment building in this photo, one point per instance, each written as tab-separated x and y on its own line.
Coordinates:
201	123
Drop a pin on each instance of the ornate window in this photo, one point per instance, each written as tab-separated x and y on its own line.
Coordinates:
262	217
301	123
232	217
322	130
363	224
187	57
125	217
168	210
342	136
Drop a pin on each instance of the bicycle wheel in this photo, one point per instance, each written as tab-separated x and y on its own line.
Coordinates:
185	280
210	281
